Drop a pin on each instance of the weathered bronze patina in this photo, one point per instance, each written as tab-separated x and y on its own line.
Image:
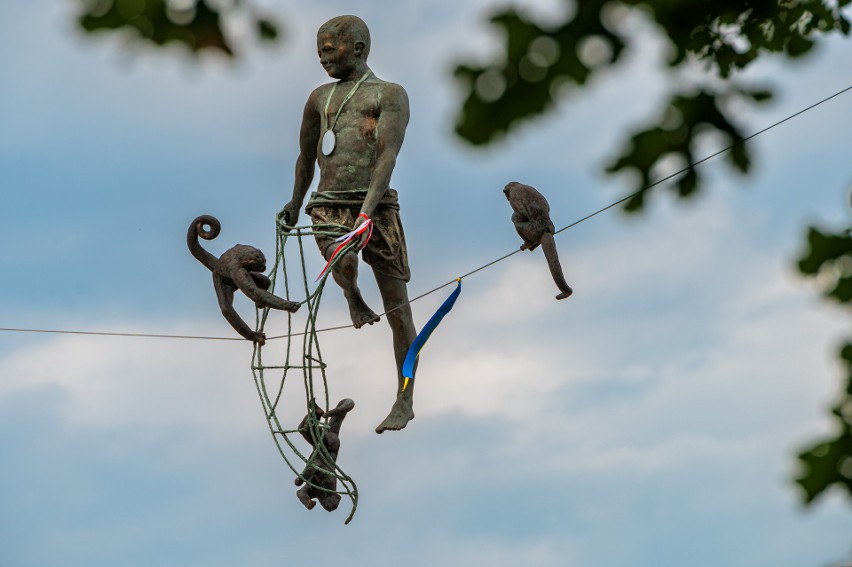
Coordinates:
240	267
318	480
531	218
354	128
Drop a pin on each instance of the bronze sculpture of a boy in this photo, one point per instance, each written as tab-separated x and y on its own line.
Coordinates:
353	129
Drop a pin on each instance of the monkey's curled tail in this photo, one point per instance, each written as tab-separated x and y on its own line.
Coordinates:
548	246
196	229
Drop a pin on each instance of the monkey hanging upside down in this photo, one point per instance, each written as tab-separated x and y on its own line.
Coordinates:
317	478
532	221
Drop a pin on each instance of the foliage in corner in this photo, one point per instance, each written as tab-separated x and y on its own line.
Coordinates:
723	36
195	24
687	117
828	462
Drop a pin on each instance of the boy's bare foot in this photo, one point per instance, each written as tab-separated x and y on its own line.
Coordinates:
361	314
400	414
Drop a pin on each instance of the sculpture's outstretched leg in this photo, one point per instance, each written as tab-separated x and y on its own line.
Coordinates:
345	274
395	297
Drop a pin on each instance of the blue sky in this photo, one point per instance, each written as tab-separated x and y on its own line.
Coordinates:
652	419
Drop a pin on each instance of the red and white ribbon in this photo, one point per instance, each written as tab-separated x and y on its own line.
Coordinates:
366	226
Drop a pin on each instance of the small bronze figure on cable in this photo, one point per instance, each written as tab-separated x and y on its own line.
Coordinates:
318	478
532	221
240	267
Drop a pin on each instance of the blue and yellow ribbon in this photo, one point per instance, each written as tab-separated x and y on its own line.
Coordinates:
425	333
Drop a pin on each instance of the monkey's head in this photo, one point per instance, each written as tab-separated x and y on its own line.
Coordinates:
250	258
515	193
525	199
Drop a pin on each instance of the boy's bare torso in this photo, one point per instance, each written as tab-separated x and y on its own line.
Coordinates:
350	166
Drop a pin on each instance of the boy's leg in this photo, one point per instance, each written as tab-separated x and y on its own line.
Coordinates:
395	294
345	274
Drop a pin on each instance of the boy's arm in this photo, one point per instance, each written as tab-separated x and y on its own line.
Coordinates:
308	139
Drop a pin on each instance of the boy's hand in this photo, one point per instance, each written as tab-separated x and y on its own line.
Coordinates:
289	214
361	240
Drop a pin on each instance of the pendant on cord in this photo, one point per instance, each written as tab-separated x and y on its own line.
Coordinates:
328	143
329	140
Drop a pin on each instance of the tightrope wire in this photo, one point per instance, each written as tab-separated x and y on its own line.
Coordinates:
105	334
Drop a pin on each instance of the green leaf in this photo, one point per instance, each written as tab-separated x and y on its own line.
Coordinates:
763	95
739	156
823	466
725	58
798	45
842	292
688	183
529	79
267	30
647	148
153	23
827	250
846	355
150	21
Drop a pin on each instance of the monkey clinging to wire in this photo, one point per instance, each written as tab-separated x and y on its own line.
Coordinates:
532	221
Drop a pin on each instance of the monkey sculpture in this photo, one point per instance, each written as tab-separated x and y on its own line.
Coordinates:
321	484
240	267
531	218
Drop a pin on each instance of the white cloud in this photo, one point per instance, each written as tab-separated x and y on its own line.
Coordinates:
117	382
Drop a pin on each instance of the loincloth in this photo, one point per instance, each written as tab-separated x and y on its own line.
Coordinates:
386	252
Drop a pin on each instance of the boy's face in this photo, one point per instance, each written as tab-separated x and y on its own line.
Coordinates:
337	55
